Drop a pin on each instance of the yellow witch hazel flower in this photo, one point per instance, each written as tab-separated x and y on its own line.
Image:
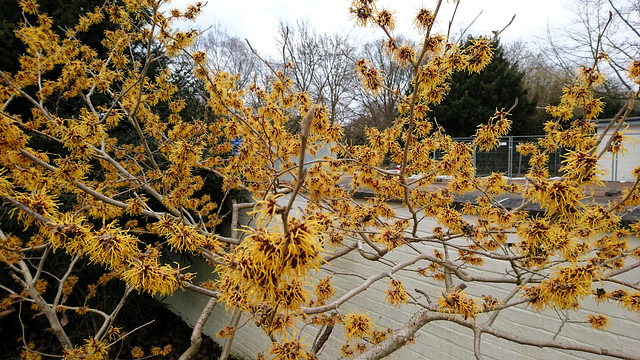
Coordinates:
303	246
185	237
599	322
289	350
67	231
396	294
458	303
580	278
269	266
292	295
357	325
324	290
91	350
38	201
266	210
5	185
111	246
146	274
11	249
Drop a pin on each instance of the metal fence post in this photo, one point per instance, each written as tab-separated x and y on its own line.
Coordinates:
475	159
510	166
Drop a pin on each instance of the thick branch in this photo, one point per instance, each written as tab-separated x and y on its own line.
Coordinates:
50	313
227	344
582	347
196	334
418	320
400	337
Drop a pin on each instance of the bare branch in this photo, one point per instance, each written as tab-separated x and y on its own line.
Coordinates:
196	334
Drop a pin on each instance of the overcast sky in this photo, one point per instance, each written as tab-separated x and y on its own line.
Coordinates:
257	20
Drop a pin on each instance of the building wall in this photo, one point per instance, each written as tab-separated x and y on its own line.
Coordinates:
619	167
438	340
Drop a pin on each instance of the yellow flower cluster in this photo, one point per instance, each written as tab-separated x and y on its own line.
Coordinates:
268	266
356	326
396	294
567	287
91	350
458	303
289	350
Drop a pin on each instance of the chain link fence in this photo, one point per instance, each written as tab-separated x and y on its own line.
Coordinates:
506	159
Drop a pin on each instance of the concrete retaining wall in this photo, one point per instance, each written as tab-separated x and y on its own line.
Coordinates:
438	340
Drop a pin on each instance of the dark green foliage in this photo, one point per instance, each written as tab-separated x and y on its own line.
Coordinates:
10	46
136	310
474	98
64	14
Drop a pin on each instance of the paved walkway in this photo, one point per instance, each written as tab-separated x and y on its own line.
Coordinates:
603	194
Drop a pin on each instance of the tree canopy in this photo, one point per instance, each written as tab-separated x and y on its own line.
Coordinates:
128	206
474	97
